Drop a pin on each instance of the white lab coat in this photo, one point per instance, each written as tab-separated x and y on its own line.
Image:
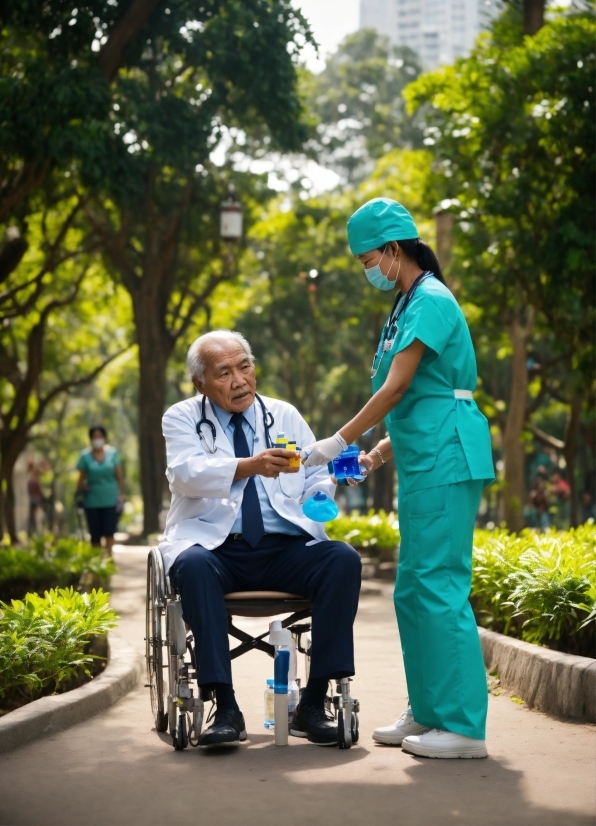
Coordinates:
205	500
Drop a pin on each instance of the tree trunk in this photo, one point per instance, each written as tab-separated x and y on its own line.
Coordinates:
570	453
9	460
514	453
533	16
154	351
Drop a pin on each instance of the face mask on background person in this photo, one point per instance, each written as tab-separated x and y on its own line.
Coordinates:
377	278
98	443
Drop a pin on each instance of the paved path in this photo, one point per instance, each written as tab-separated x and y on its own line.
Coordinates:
113	769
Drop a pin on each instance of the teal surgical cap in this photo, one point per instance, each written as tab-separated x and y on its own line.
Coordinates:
377	222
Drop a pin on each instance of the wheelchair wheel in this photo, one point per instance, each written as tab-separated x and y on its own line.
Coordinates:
180	740
154	639
344	735
355	728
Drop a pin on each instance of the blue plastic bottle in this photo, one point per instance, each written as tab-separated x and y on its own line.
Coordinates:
320	508
345	466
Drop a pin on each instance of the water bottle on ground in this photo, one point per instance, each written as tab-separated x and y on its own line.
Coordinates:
293	698
269	703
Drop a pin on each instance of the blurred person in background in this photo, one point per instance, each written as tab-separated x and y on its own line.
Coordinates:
588	510
100	487
36	500
560	496
540	499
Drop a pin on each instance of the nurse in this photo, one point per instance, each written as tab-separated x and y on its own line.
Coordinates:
423	378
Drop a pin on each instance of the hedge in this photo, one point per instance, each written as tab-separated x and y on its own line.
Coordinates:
538	587
47	562
46	643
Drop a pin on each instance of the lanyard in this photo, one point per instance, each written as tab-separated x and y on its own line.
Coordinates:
390	329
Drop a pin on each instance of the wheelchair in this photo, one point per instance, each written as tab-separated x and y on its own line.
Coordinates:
169	648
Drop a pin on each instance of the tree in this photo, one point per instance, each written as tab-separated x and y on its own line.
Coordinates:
54	335
137	120
56	61
156	211
512	131
358	103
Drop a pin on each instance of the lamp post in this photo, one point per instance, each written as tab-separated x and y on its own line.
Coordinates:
230	217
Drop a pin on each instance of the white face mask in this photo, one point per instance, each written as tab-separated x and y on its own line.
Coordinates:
98	443
376	276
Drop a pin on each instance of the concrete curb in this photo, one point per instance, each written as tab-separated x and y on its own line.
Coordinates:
559	684
51	714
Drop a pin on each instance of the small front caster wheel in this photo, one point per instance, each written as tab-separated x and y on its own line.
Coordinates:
181	737
355	729
344	735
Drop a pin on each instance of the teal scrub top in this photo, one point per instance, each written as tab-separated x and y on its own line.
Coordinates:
101	478
436	438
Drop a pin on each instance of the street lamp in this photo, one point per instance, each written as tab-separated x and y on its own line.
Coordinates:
230	217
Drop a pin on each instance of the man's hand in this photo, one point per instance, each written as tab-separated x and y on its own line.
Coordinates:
269	463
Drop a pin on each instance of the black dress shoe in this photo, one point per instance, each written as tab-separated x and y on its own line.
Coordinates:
228	729
314	723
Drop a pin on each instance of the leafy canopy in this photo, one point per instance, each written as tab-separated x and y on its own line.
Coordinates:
512	131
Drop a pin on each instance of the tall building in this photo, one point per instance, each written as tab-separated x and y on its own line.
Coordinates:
438	30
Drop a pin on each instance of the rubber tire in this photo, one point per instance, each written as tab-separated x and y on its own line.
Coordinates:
355	728
181	736
341	734
154	651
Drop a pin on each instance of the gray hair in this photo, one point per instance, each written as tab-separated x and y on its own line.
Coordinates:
195	358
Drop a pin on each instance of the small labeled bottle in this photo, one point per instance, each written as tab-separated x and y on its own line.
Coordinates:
269	721
280	440
295	460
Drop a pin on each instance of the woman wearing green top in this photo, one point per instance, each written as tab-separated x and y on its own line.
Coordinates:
100	485
423	378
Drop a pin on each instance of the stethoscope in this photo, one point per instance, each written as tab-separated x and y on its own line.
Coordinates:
268	421
390	329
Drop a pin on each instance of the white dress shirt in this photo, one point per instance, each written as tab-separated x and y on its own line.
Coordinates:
206	501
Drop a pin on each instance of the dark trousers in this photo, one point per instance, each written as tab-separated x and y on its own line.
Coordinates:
327	573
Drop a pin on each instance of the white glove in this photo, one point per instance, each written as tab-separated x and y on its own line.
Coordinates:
323	451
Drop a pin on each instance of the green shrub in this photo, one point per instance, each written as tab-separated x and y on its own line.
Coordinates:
44	641
540	587
47	562
374	533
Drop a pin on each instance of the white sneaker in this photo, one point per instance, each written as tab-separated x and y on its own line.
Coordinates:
437	743
393	735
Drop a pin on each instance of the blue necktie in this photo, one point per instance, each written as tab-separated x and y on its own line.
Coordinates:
252	518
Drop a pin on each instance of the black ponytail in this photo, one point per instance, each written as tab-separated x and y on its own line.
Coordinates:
422	254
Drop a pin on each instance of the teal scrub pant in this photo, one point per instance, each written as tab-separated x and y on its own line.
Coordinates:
441	647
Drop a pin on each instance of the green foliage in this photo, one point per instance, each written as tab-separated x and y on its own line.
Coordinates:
48	562
358	102
314	321
512	131
43	640
539	587
373	533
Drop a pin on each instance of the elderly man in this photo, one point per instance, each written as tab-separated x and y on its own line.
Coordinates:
235	524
